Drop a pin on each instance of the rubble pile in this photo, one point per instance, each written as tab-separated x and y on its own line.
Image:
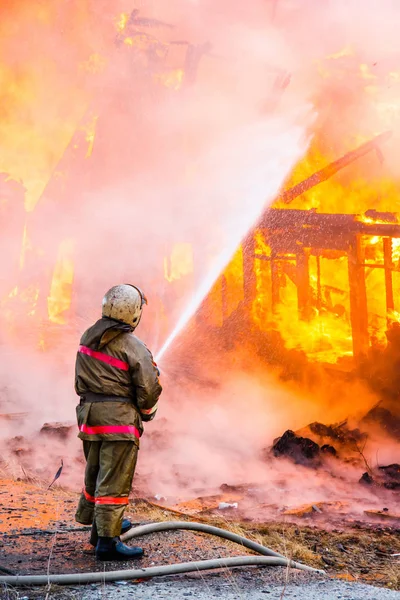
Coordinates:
299	449
349	444
386	476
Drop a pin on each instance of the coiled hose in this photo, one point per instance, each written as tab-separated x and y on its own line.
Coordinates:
270	558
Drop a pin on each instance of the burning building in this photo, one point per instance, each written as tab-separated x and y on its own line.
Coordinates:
318	271
253	195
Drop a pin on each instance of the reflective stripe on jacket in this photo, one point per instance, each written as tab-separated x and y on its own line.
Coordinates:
113	362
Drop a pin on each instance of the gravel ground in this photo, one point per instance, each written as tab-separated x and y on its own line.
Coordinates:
29	517
234	585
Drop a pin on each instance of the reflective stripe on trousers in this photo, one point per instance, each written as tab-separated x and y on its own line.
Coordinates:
105	499
98	429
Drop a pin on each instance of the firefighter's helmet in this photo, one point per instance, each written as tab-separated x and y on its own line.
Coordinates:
124	303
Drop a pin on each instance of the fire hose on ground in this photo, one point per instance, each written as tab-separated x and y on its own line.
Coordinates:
269	558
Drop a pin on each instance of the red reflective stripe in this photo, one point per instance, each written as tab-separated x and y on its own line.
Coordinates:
105	499
105	358
109	429
111	500
88	497
149	411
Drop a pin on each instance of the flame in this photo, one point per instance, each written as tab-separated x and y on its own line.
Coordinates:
346	51
172	79
233	283
122	21
396	250
60	298
323	329
94	64
19	304
261	308
139	41
90	130
36	137
180	262
325	334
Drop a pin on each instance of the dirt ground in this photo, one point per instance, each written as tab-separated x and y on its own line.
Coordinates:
39	535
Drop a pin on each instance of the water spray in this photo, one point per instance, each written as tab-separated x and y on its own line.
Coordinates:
195	301
223	259
254	170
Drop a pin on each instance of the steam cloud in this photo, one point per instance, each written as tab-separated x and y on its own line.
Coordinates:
197	165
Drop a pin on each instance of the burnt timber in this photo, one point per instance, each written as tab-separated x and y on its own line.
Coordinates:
294	235
331	169
331	231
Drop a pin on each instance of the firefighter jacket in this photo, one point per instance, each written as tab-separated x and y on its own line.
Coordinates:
117	380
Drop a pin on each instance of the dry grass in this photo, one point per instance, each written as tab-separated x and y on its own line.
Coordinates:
391	574
280	539
350	551
8	592
291	544
277	537
16	471
151	512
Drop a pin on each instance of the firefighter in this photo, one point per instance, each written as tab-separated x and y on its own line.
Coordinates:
118	384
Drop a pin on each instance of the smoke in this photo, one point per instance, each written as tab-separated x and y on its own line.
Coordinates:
194	165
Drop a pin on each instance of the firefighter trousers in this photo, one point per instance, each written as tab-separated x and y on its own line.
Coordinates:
110	467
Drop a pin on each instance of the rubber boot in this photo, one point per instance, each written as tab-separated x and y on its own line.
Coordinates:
126	526
113	549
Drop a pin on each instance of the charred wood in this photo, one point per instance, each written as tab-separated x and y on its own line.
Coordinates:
331	169
301	450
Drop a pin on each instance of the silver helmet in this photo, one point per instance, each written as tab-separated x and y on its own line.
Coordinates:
124	303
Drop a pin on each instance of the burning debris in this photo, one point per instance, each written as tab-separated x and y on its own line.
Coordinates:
311	449
350	447
299	449
61	431
383	418
387	477
339	432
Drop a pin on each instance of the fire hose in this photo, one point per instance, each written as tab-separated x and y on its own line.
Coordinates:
269	558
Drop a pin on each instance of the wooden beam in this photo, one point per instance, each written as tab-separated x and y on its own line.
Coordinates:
319	289
388	264
331	169
358	299
303	283
275	283
291	221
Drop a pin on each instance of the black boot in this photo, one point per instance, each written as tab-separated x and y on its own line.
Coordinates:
94	538
126	526
113	549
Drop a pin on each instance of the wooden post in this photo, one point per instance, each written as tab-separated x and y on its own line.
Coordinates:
275	285
249	274
319	290
358	298
388	264
303	283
